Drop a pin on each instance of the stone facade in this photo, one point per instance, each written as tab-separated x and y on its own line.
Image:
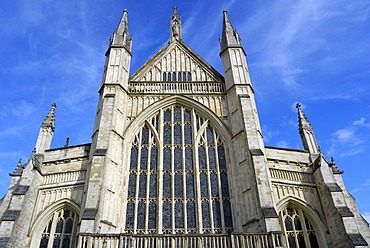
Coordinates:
177	159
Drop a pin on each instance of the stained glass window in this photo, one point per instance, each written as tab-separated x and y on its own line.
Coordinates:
59	231
298	229
180	166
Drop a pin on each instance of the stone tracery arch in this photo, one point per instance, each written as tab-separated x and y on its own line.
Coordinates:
57	221
177	175
303	220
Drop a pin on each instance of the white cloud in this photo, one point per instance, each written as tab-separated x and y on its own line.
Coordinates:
282	143
344	135
361	122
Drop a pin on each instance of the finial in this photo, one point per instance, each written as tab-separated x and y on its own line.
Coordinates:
19	162
67	142
49	120
298	105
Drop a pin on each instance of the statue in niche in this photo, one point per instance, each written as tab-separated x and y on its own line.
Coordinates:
175	28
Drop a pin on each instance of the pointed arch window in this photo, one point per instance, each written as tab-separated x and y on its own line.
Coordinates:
178	176
60	230
298	229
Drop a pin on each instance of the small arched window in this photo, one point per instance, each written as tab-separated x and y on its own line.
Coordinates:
298	230
174	76
164	77
60	230
180	77
189	76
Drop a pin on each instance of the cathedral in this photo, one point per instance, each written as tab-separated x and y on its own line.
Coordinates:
177	160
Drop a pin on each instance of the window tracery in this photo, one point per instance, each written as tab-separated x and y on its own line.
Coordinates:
178	176
298	229
59	230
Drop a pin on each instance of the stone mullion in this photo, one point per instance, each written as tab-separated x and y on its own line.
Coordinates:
172	169
160	172
52	229
304	228
219	183
184	205
210	205
198	201
150	141
63	228
136	201
73	239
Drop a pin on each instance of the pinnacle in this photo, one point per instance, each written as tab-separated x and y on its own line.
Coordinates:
49	120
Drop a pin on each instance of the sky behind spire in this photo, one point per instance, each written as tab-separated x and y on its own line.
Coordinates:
314	52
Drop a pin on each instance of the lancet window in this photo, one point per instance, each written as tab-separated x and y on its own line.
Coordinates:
180	77
298	229
178	176
59	230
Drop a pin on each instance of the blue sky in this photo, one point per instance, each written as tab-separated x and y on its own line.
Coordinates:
314	52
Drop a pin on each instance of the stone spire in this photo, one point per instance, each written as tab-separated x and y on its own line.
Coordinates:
46	131
230	37
175	26
121	36
306	132
49	120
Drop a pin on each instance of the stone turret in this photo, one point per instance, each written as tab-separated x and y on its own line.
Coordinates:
247	138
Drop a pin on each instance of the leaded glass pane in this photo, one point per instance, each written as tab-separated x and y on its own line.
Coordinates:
132	185
205	215
142	185
214	185
190	185
288	224
59	226
217	222
167	185
153	186
177	114
179	215
179	76
167	115
221	157
145	135
210	138
212	158
44	242
69	226
203	184
177	135
187	115
141	215
144	158
188	134
167	134
202	158
224	185
133	161
301	242
66	213
191	215
130	215
227	214
153	158
178	186
167	215
167	158
189	158
56	242
66	242
152	215
178	158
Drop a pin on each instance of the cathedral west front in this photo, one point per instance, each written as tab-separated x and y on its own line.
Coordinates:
177	159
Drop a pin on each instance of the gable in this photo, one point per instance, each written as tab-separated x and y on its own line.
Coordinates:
176	62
